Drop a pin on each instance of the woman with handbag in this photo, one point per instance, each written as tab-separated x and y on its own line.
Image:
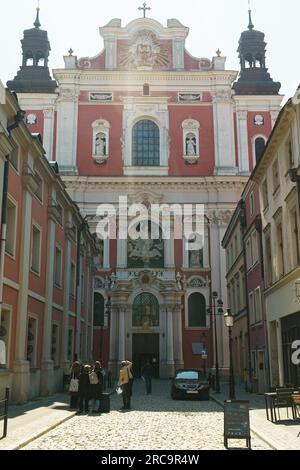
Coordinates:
74	385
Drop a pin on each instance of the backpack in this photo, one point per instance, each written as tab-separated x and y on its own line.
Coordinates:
93	378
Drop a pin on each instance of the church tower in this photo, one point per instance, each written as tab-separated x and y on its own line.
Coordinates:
254	78
34	76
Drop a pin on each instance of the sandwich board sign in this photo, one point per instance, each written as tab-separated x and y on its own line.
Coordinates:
237	421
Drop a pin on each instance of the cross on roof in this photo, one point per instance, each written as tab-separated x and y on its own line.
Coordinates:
144	8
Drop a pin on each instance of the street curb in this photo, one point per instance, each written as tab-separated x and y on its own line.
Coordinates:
42	433
253	429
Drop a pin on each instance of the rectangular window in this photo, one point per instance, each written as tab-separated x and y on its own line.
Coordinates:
58	267
254	242
5	322
55	344
39	191
70	345
265	194
11	228
252	204
32	335
252	309
280	255
254	364
72	279
276	180
295	238
60	211
35	249
290	160
14	156
258	309
269	260
249	253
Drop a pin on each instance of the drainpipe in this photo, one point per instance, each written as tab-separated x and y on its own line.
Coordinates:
243	226
258	226
3	228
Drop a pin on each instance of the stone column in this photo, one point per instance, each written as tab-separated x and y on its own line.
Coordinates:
178	354
47	369
21	367
122	333
224	132
170	343
113	338
243	144
280	354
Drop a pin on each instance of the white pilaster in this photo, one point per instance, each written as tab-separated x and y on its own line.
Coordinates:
67	124
65	324
178	53
242	134
121	335
224	132
170	345
110	45
48	132
280	354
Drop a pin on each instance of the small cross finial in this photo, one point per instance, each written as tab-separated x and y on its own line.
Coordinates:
70	51
144	8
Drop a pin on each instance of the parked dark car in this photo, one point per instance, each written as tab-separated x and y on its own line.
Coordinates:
189	383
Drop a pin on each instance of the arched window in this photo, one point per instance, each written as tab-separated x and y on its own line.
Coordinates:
98	309
260	145
145	144
145	311
197	311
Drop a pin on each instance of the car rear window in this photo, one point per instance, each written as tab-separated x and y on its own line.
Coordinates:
188	375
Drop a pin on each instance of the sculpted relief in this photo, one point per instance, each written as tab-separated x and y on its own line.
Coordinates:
144	51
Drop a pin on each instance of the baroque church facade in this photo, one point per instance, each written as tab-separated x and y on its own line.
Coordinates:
146	120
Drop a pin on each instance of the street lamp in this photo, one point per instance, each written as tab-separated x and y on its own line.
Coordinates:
217	305
229	321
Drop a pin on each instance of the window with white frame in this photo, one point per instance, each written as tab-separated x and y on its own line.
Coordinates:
11	227
295	252
14	156
35	249
249	253
145	143
254	242
191	145
276	180
39	191
265	194
5	326
280	254
58	267
289	152
269	259
32	337
100	140
252	204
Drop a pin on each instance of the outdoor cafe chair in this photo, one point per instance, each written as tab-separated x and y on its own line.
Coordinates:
296	405
283	400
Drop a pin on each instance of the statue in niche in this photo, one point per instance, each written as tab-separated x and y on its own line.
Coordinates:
191	147
100	145
196	258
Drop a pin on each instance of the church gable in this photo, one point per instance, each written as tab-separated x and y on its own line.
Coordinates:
144	44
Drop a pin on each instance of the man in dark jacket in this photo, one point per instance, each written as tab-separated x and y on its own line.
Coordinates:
96	389
84	388
147	374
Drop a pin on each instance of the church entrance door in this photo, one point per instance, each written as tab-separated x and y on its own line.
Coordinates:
145	347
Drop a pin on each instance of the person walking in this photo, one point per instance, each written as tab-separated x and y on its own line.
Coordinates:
147	374
96	387
125	376
84	389
74	376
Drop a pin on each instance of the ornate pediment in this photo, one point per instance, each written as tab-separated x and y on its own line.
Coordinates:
144	52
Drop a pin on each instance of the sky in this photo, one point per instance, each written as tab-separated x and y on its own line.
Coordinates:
214	24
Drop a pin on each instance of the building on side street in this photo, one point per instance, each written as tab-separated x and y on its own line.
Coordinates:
47	265
277	176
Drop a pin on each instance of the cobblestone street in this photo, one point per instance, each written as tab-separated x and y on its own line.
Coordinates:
155	423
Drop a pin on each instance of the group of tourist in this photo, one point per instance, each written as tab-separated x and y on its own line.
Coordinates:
86	387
